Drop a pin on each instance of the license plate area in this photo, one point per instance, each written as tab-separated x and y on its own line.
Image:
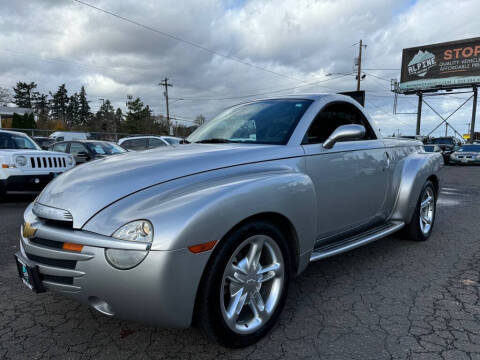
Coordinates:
29	274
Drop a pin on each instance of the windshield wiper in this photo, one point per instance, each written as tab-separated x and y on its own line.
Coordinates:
213	141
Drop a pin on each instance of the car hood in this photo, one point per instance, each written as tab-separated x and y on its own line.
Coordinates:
29	152
90	187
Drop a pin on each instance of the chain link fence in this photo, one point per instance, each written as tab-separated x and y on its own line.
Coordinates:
106	136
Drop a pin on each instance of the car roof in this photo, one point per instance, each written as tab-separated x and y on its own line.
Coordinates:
140	137
13	132
84	141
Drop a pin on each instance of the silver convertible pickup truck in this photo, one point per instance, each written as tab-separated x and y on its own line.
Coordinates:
211	233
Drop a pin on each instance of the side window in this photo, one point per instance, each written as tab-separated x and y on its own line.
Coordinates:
333	116
62	147
60	138
76	148
153	143
135	144
126	144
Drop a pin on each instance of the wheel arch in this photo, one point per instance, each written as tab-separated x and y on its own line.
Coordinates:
416	170
274	218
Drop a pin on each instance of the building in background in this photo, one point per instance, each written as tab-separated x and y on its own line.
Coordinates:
6	115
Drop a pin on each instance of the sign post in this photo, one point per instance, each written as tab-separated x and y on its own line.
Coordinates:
474	113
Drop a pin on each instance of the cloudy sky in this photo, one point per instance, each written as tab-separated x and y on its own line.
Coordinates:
270	47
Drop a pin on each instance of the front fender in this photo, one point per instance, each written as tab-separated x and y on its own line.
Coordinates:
414	170
205	207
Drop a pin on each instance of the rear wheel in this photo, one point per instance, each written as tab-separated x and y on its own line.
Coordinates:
421	226
245	286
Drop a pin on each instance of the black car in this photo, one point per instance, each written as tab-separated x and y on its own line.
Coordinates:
448	144
86	150
43	141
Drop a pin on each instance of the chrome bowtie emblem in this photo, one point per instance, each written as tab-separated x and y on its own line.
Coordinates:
28	230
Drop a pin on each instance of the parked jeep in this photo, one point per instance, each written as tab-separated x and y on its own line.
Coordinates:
25	166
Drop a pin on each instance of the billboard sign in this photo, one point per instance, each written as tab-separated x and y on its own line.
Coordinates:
441	66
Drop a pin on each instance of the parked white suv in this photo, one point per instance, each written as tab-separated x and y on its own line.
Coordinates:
138	143
24	166
68	136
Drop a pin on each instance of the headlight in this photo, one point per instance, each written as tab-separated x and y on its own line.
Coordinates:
21	160
69	160
140	230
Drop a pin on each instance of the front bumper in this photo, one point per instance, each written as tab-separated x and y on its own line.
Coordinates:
465	161
161	290
26	182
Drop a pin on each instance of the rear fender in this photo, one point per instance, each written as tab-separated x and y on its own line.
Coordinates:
414	171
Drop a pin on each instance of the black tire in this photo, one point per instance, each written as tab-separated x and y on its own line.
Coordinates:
413	230
208	310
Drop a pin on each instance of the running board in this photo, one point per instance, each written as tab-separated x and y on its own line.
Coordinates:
353	242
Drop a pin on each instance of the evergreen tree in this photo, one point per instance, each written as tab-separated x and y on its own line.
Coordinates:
118	120
73	110
24	94
84	113
41	109
59	104
133	123
25	121
106	117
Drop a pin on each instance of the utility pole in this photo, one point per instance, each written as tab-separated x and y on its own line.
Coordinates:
359	64
474	114
165	83
419	112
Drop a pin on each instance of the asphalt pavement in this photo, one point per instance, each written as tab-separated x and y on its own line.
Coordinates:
393	299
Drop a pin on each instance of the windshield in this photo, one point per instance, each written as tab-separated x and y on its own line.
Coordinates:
104	148
260	122
445	141
172	141
474	148
14	141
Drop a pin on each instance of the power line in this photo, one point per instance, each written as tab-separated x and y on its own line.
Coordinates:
265	93
188	42
378	77
383	69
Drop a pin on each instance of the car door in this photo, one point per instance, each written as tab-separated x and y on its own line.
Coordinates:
350	181
79	152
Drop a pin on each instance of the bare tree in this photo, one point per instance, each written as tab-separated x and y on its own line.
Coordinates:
200	120
5	96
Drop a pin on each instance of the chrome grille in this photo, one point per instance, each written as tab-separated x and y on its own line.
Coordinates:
51	162
57	267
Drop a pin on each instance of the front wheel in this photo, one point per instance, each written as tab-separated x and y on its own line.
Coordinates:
421	226
245	285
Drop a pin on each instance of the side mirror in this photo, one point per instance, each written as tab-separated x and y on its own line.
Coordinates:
345	132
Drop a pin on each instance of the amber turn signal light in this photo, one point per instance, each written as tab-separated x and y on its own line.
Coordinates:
72	247
202	247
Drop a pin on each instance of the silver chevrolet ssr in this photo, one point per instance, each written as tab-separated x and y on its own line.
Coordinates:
211	232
